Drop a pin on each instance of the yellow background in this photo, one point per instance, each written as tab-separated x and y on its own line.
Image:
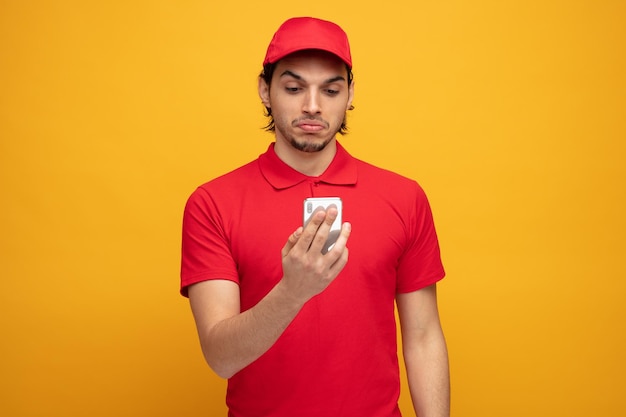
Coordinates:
511	114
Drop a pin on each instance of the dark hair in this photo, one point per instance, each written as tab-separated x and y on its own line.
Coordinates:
268	72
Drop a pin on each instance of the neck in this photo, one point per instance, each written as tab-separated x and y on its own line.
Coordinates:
312	164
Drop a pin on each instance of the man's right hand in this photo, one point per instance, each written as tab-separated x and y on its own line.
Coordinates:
306	270
232	339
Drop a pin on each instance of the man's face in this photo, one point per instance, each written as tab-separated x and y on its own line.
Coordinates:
309	96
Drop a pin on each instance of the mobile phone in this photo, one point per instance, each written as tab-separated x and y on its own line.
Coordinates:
314	204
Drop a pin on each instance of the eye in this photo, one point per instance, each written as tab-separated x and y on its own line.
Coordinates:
332	92
292	89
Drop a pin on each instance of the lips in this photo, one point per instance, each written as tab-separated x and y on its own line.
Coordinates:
310	125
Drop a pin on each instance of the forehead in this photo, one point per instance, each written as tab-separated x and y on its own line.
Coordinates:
312	64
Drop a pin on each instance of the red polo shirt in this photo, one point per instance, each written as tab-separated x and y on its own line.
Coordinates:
339	356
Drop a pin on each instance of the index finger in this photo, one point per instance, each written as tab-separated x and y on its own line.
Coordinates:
342	240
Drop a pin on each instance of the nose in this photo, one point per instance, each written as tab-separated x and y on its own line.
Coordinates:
312	103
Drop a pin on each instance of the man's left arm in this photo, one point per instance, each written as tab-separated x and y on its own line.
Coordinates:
425	352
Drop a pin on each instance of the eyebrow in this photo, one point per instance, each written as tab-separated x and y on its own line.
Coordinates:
298	77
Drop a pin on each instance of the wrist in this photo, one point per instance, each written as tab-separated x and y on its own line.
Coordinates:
287	297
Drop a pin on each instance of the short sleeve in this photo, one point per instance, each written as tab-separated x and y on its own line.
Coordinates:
205	252
420	264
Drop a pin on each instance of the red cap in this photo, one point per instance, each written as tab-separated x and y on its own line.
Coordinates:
300	33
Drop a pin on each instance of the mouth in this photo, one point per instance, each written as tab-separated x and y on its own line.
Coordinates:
310	125
307	127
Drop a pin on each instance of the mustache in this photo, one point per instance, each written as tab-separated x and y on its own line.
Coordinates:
309	118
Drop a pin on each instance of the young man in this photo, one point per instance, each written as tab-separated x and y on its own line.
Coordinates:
296	331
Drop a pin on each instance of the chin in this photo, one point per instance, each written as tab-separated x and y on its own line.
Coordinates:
309	146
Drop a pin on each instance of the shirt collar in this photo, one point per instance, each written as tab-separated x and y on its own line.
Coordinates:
341	171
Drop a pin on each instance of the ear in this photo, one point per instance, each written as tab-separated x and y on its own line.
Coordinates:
264	92
350	96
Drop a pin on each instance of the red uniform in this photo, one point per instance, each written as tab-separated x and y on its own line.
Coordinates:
339	356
